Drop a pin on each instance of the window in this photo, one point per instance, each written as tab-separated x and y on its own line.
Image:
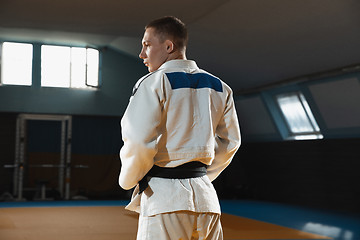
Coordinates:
297	113
16	63
73	67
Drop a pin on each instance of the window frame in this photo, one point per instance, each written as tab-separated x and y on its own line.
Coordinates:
305	135
37	58
31	64
88	86
98	71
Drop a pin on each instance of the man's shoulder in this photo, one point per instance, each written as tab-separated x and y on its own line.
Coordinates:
223	83
150	77
149	80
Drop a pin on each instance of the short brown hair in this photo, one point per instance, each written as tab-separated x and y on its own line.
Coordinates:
172	28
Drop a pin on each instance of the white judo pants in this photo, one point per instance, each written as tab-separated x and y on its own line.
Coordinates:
181	225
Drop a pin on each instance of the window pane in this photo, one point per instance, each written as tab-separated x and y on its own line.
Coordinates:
295	114
55	66
78	67
16	63
308	137
309	113
92	67
69	66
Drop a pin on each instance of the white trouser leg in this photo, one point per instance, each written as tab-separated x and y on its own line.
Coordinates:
181	225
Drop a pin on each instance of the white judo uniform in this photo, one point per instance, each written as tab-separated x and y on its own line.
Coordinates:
178	114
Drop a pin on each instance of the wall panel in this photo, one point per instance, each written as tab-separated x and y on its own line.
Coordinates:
338	102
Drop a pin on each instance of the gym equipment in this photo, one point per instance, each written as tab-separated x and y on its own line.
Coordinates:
64	165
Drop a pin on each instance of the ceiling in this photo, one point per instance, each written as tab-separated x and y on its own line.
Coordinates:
248	43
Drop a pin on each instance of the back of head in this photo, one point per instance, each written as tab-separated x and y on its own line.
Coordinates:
171	28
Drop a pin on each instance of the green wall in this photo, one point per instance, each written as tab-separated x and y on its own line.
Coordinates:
118	74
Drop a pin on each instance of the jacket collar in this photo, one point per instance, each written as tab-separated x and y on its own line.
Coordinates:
179	63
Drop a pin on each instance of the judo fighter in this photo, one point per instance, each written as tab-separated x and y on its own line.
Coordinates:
180	131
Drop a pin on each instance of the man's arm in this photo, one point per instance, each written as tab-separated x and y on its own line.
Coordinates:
139	133
227	139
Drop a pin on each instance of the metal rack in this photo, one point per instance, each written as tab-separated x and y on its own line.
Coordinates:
64	165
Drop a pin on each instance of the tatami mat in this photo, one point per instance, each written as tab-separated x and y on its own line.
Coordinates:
114	222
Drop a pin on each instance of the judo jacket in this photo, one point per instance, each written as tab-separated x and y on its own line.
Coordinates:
176	115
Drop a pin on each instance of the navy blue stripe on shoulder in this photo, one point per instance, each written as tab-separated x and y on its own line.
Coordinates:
194	80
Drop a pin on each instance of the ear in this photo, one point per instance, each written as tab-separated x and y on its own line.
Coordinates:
170	46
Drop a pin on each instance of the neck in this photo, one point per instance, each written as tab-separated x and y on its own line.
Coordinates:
176	55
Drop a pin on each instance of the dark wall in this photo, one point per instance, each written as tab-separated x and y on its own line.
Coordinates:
333	100
7	149
96	142
321	174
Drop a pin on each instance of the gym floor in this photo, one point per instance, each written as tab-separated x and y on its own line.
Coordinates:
108	220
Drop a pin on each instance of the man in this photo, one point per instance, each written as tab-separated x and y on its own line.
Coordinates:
180	131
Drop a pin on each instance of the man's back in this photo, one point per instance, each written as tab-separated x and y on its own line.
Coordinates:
180	131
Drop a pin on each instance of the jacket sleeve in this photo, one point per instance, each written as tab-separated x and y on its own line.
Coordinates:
227	139
139	133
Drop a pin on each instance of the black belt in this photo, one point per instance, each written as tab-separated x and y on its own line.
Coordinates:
187	170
